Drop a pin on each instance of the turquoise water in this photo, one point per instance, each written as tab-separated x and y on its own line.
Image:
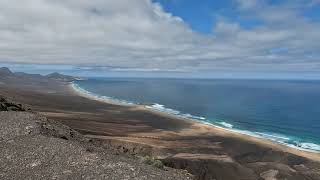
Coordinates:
287	112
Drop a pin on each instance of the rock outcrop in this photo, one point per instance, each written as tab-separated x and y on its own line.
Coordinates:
6	105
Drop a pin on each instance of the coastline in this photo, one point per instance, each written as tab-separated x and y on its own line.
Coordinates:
203	126
205	151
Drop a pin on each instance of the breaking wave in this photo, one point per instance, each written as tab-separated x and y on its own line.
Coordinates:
278	138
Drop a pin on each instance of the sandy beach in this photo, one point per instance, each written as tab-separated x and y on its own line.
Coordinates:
201	128
180	142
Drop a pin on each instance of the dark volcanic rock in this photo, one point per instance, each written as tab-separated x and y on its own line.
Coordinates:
6	105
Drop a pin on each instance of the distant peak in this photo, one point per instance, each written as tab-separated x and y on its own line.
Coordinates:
54	74
59	76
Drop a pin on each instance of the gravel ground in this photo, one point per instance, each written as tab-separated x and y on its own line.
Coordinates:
30	148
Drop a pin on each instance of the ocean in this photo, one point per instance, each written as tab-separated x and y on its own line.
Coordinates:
284	111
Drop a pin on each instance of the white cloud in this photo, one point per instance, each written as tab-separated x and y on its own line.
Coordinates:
139	34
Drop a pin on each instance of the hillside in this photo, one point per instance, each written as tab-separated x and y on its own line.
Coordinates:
33	147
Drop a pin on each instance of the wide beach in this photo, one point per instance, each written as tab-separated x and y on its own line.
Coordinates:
200	127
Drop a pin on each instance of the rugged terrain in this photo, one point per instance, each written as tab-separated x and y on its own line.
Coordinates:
106	129
33	147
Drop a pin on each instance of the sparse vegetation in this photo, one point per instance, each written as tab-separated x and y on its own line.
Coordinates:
153	162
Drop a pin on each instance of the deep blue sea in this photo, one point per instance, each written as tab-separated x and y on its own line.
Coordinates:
285	111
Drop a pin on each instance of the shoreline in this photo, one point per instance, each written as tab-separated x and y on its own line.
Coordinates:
205	151
207	127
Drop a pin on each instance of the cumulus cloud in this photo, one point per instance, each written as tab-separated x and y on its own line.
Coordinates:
139	34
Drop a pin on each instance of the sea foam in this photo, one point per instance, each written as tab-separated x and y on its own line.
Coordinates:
162	108
277	138
228	125
310	146
97	97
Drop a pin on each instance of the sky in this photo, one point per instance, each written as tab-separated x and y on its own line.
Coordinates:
208	37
